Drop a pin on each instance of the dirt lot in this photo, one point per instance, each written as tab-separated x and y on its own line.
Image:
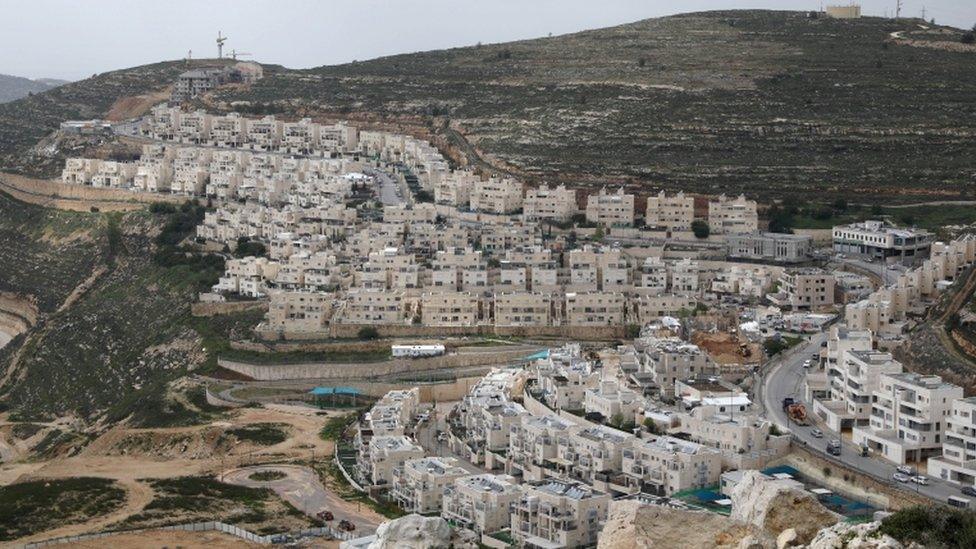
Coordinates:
165	538
133	456
725	348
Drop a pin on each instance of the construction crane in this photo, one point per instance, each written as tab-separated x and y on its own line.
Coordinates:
220	45
234	54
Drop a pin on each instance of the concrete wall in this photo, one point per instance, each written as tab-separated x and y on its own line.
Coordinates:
365	370
349	331
54	194
880	493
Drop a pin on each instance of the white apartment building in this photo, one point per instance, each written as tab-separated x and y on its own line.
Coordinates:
610	399
595	308
558	514
675	213
299	311
807	288
455	189
545	203
523	309
852	383
909	417
419	484
652	277
957	464
685	277
671	359
665	465
481	502
594	455
610	209
735	435
497	195
648	308
533	446
383	454
450	309
732	215
373	307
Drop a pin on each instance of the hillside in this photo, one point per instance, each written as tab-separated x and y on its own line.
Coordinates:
25	122
15	87
769	103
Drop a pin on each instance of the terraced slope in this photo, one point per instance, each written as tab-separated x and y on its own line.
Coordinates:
769	103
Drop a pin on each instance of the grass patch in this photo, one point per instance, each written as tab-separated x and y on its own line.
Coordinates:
27	508
26	430
267	476
337	425
264	434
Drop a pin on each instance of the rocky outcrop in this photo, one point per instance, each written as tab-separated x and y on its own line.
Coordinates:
774	506
853	536
632	525
417	532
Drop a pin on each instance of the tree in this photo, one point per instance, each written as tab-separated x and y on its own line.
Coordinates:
877	209
969	37
368	333
840	204
700	228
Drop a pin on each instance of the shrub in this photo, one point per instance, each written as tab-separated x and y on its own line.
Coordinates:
969	37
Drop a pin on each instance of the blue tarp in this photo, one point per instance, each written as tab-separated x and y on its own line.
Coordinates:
322	391
539	356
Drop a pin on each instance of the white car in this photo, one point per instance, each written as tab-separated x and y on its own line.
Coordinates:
905	470
920	479
816	433
901	477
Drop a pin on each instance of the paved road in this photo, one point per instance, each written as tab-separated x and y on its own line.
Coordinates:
388	187
784	379
889	272
303	489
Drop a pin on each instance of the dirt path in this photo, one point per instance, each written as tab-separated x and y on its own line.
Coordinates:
138	495
303	489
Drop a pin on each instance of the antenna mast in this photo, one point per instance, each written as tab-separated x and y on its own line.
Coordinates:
898	9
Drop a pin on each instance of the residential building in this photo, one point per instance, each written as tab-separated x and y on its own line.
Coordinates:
558	514
523	309
675	213
612	400
671	359
732	215
419	483
545	203
497	195
664	465
610	209
853	381
957	464
805	288
383	454
450	309
595	309
300	311
909	417
481	502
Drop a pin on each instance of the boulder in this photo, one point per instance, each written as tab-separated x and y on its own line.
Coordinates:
417	532
632	525
853	536
786	538
772	506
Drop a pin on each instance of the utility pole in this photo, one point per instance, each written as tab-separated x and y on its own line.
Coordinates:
897	9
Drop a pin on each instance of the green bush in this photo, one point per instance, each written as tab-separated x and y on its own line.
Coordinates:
932	526
368	333
700	228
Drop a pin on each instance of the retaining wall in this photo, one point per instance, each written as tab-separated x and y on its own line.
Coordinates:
350	331
858	485
55	194
365	370
223	308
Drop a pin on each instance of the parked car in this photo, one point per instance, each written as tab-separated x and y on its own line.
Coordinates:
816	433
901	477
325	515
968	490
905	470
807	363
920	479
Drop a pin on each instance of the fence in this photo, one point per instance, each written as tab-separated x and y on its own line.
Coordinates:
200	527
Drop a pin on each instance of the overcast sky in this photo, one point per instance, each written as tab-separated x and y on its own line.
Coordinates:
73	39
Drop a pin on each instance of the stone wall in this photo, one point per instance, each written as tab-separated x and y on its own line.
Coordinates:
224	307
366	370
55	194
